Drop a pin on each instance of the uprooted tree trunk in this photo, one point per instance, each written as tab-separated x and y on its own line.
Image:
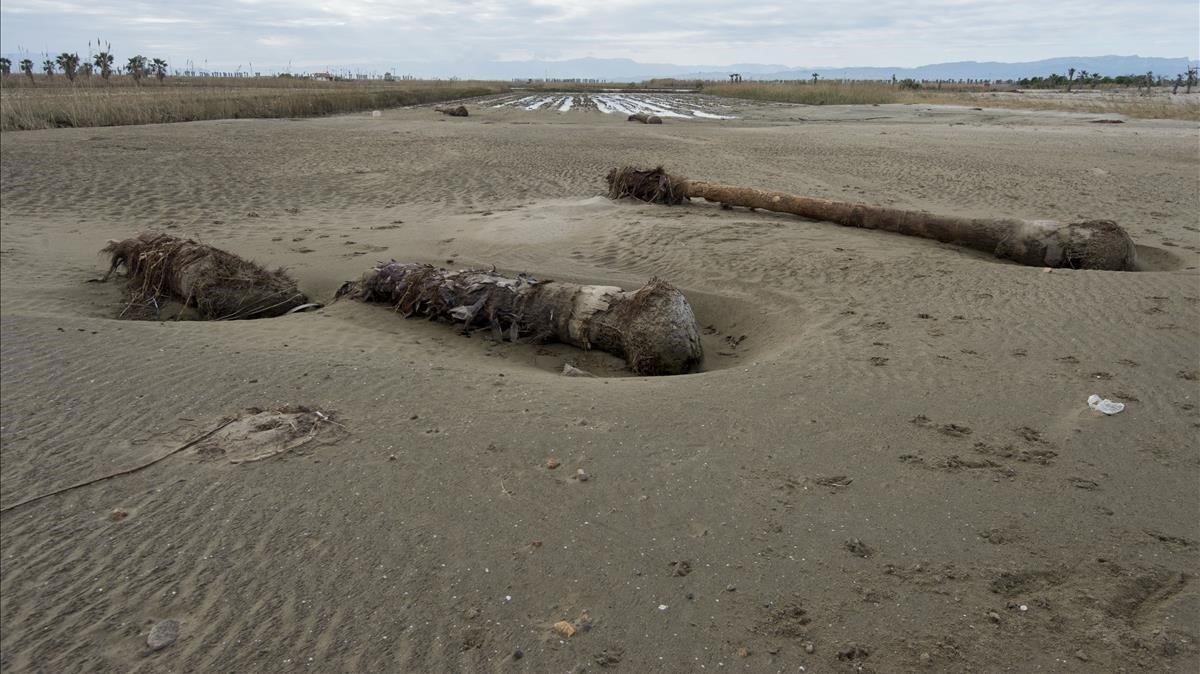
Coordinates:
459	111
645	118
1092	244
652	328
220	285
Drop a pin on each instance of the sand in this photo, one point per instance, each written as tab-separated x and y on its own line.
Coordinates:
888	463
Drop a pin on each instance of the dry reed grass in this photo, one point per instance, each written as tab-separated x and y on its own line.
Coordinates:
91	103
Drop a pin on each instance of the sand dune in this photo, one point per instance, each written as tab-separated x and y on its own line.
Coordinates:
887	455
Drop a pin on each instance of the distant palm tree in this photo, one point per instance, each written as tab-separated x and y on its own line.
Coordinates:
48	68
104	61
815	76
69	64
27	68
1070	77
5	66
136	67
159	68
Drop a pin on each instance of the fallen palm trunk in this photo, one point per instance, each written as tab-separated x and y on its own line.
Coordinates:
645	118
652	328
460	111
1092	244
220	285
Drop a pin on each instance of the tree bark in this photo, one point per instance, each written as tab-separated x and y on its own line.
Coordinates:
1093	244
652	328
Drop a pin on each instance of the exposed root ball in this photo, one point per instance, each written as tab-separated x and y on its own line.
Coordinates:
652	328
645	118
655	186
1092	244
220	285
460	111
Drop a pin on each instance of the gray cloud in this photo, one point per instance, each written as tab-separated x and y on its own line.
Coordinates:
316	34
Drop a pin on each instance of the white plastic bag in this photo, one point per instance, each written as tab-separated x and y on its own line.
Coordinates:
1104	404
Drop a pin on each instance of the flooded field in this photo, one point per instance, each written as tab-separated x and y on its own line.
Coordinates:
685	106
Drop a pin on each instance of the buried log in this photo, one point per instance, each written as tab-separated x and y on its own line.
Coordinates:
1091	244
645	118
459	111
652	328
220	285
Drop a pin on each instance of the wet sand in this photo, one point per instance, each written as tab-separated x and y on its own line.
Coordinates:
887	463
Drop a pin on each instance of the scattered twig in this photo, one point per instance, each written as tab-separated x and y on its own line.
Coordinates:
127	471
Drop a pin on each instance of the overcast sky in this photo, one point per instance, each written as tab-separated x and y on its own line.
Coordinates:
315	34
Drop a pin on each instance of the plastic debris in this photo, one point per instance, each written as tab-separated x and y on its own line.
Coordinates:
1104	404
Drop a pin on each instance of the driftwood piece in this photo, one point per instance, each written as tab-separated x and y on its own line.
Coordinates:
652	328
459	111
1091	244
645	118
220	285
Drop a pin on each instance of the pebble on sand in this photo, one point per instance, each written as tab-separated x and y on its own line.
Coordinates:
163	634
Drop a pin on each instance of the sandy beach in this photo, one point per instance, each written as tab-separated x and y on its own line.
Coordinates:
887	462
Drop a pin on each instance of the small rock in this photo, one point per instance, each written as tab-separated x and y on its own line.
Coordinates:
857	547
572	371
731	588
1081	655
925	658
853	652
163	634
743	652
993	616
809	648
553	463
391	457
582	475
118	514
518	654
564	629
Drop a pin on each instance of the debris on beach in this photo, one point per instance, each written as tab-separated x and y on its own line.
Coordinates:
570	370
1090	244
217	284
260	434
163	634
1104	404
645	118
652	328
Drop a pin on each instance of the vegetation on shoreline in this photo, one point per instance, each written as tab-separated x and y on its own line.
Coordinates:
1154	105
122	100
151	98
